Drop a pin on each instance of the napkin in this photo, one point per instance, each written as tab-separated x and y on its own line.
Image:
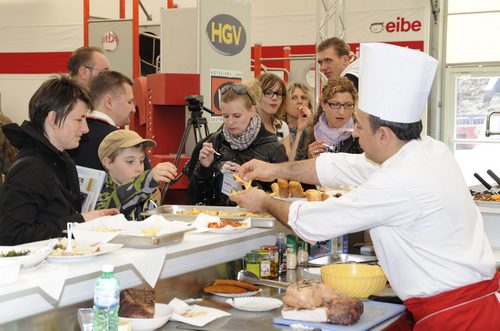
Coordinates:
49	278
164	226
150	267
194	315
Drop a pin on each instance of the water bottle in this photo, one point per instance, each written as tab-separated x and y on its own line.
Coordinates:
106	301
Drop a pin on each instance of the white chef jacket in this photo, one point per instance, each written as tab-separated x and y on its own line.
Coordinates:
427	232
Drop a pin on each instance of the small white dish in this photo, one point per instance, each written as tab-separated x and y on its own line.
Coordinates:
163	312
255	303
33	259
237	295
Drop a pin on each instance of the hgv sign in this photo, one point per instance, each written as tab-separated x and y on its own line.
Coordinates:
226	34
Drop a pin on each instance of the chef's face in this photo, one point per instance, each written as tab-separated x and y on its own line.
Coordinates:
236	116
368	140
338	117
127	164
330	64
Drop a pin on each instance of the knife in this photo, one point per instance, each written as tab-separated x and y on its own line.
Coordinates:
485	183
494	176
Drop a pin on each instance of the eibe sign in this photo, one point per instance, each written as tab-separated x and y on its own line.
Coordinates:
226	34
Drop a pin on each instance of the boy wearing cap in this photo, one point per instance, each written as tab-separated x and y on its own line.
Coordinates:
427	232
127	186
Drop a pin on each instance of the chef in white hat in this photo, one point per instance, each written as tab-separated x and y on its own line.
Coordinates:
427	232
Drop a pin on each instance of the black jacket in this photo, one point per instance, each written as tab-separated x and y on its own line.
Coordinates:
41	192
205	184
86	155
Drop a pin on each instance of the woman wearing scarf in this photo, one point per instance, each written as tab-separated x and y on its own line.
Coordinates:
241	138
332	126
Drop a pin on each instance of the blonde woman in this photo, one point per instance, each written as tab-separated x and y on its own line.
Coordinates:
298	117
241	138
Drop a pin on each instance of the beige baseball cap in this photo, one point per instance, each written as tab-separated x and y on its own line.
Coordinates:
121	139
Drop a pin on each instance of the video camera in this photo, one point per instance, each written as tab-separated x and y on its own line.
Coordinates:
195	104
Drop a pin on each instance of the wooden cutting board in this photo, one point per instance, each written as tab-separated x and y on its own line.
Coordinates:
374	314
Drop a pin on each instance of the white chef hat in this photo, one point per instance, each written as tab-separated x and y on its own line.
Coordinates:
394	82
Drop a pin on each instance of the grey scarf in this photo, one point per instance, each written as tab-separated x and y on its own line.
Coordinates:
243	140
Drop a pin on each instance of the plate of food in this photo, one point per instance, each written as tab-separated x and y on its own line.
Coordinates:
232	288
225	226
81	251
256	304
28	257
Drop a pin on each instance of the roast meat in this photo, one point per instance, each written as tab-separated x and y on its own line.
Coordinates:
303	294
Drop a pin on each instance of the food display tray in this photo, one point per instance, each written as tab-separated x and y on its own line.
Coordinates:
150	241
342	258
170	212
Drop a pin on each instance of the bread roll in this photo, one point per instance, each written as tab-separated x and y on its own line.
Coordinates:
283	188
313	195
296	190
324	196
276	190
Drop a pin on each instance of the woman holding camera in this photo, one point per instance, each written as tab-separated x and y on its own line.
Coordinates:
331	130
241	138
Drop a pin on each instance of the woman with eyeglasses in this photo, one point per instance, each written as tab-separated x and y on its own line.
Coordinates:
241	138
331	130
298	118
273	104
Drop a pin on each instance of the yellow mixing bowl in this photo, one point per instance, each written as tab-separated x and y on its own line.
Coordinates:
354	279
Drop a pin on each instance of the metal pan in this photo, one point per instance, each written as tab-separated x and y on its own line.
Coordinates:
170	213
342	258
150	241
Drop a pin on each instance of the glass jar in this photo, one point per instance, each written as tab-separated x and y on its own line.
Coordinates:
273	256
265	263
252	263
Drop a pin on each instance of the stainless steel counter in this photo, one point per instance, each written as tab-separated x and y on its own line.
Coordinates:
185	286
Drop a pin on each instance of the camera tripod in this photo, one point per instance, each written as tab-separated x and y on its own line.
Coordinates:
195	122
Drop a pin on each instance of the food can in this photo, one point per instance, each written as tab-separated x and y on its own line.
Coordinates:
252	263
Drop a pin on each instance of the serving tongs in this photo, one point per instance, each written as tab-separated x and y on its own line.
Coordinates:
491	189
250	277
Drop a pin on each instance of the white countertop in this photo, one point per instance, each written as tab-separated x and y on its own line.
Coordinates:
132	268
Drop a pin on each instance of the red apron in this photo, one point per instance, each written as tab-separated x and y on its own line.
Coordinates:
472	307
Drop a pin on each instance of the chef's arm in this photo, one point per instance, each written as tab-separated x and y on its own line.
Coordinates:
277	208
303	171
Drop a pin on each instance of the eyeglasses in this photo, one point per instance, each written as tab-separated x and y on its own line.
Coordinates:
338	105
270	94
238	89
94	68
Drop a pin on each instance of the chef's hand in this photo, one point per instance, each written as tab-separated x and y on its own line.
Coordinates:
206	156
315	148
305	116
164	172
257	169
231	167
91	215
254	200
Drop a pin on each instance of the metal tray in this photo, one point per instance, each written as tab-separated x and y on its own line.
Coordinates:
150	241
170	212
342	258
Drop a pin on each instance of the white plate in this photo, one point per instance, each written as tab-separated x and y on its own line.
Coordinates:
228	230
105	248
237	295
33	259
255	304
163	312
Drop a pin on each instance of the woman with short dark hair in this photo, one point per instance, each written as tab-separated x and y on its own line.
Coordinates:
41	193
